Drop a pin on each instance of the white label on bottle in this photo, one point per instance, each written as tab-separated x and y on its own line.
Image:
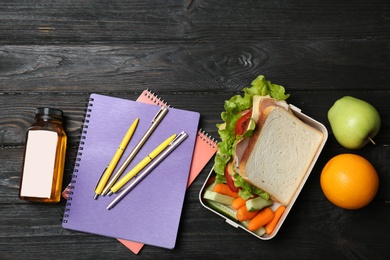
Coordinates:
39	164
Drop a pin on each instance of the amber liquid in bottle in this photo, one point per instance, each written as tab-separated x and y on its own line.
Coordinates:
44	158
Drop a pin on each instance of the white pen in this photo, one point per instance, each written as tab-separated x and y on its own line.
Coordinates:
138	178
154	123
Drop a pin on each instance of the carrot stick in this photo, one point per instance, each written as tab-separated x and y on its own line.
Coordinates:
238	203
225	190
243	214
263	217
271	225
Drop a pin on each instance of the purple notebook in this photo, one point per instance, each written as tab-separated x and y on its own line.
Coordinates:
150	213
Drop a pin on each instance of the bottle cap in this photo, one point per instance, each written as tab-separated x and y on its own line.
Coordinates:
47	111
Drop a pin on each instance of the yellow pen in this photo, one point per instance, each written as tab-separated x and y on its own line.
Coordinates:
108	171
141	165
154	123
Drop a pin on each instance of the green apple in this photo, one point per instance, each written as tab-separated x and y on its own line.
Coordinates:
354	122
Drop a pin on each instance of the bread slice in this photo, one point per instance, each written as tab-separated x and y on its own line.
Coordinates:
280	154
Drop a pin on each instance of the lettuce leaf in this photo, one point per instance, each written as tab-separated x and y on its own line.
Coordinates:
248	190
237	103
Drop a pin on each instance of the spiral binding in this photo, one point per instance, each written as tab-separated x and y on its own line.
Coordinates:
207	138
78	158
156	98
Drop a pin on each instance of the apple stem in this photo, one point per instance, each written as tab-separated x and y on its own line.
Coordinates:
372	141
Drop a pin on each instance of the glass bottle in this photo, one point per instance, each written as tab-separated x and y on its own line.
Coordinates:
44	157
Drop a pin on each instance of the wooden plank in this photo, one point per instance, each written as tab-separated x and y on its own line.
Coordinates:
196	21
17	111
334	231
298	65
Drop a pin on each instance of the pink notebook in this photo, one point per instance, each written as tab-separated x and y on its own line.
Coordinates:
205	147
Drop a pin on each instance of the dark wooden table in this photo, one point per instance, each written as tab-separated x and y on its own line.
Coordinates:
195	54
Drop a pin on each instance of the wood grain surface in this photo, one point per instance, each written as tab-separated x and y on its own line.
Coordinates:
194	54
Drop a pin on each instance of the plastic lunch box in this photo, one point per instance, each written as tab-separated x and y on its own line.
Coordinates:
227	213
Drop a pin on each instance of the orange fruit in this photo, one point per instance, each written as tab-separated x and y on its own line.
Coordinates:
349	181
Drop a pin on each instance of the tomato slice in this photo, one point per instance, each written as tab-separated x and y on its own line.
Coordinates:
242	123
229	179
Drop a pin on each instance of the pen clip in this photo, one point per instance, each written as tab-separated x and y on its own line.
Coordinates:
160	114
179	138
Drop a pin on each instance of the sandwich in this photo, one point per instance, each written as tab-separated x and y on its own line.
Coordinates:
265	150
